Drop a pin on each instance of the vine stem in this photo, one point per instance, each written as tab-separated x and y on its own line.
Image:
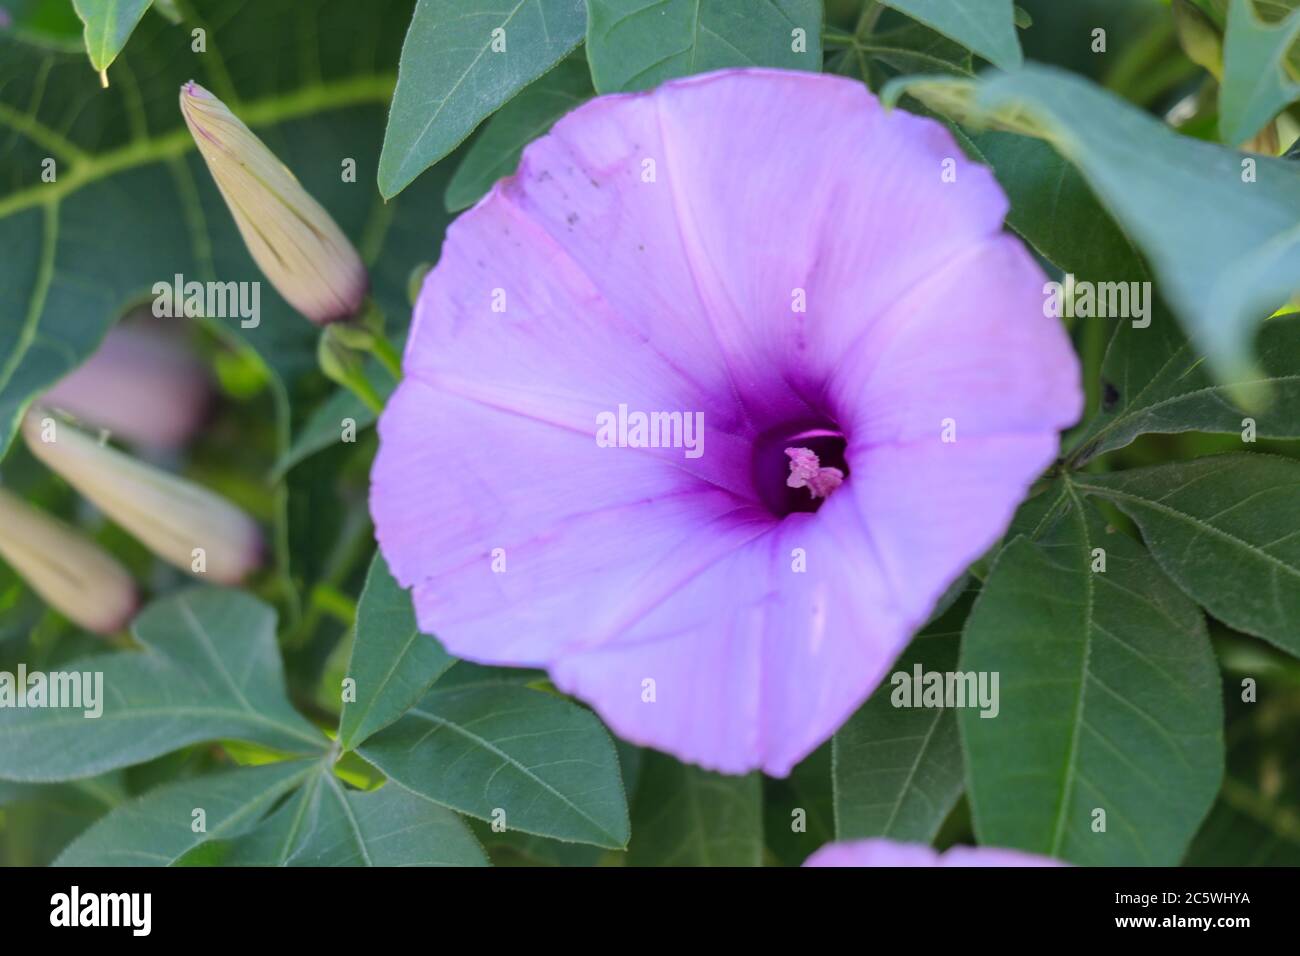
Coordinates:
387	355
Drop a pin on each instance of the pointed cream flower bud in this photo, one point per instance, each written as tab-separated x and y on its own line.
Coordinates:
181	522
70	572
295	243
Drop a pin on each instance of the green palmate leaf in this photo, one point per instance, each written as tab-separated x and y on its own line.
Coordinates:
210	668
160	827
985	26
326	824
78	164
898	769
1227	529
637	44
1224	261
1154	382
915	48
461	60
496	152
1256	82
685	816
912	48
393	664
108	26
497	750
1109	699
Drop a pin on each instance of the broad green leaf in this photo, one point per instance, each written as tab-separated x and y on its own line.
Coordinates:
393	664
898	770
1109	699
1227	529
985	26
515	848
108	26
312	77
637	44
327	824
1055	211
495	153
210	668
492	746
685	816
1154	382
158	828
1224	261
1257	84
53	21
799	810
462	59
1152	379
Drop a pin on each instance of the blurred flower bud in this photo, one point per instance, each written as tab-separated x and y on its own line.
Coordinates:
295	243
183	523
75	576
1198	36
142	385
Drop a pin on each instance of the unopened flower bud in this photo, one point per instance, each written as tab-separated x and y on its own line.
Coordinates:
142	385
181	522
295	243
70	572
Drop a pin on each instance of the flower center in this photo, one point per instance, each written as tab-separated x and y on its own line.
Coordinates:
796	467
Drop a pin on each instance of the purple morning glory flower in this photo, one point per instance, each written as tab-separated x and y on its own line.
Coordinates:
708	404
879	852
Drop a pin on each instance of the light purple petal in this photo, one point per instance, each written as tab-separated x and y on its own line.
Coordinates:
881	852
652	252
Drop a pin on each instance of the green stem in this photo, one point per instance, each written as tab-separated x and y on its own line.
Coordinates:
867	21
388	357
363	390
